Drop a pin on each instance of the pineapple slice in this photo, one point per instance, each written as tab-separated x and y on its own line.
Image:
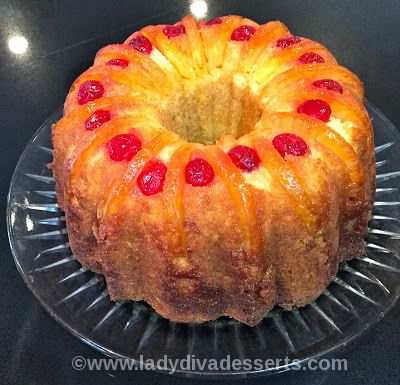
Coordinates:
277	60
173	43
307	75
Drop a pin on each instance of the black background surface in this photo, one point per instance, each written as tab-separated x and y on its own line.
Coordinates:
63	38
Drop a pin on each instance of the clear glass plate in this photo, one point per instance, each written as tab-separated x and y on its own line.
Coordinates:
363	290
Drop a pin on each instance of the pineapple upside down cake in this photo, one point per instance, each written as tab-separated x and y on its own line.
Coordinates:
215	168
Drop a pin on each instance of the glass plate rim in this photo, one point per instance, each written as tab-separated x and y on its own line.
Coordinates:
190	373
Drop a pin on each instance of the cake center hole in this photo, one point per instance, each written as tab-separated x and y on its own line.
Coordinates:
205	111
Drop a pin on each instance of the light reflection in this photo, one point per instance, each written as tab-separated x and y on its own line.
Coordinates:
18	44
199	8
29	223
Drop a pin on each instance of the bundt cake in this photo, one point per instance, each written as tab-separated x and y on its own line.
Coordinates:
215	168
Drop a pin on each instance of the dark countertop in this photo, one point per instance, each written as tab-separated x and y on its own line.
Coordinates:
63	37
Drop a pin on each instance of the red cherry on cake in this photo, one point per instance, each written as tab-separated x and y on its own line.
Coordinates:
316	108
123	147
198	172
329	84
287	41
142	44
244	158
311	57
243	33
97	119
118	63
90	90
217	20
151	179
172	31
290	144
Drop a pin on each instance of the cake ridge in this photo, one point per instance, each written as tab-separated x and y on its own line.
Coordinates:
174	193
240	194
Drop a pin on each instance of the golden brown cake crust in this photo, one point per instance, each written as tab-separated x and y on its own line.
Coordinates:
246	241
